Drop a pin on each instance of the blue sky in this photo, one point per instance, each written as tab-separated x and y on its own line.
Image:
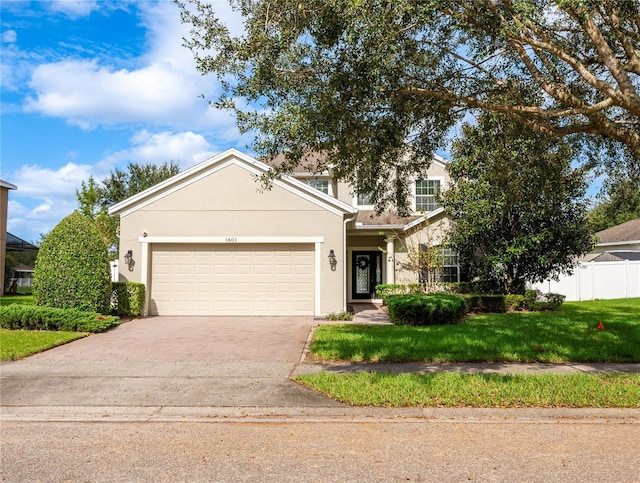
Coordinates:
88	86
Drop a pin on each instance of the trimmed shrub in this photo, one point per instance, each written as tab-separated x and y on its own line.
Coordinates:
487	303
127	298
495	304
538	301
426	309
32	317
340	316
385	290
72	268
515	302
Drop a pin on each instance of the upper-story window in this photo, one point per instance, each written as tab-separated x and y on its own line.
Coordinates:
320	185
364	200
426	192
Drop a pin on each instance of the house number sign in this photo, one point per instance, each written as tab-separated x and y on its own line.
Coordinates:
231	239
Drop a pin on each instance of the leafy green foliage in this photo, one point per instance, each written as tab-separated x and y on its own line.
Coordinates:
426	309
72	268
487	303
127	298
618	202
517	204
32	317
376	86
95	198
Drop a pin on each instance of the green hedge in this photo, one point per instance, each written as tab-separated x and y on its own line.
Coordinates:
33	317
385	290
127	298
72	267
426	309
485	303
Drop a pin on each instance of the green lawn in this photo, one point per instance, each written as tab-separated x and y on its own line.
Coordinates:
569	335
479	390
16	299
16	344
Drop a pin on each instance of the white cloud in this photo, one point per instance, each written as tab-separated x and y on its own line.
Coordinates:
45	183
184	148
9	36
73	8
164	90
87	94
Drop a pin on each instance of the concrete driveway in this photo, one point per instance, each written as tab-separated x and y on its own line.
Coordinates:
168	361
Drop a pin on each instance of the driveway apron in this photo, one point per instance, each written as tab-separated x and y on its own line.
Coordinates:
169	361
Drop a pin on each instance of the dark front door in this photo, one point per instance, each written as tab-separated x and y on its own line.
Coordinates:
366	270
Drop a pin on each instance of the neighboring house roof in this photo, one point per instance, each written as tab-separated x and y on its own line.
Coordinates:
230	156
6	184
625	233
18	244
617	255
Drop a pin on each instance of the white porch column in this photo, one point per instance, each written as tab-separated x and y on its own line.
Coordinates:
391	261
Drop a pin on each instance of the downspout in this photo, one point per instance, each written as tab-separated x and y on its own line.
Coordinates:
345	284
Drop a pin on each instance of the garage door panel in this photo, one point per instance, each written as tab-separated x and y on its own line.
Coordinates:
237	280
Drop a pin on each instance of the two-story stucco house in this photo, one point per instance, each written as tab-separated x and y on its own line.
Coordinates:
210	241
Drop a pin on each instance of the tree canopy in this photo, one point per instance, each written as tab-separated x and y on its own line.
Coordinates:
376	85
95	198
618	202
517	204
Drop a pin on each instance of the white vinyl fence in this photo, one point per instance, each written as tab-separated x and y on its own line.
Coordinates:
597	280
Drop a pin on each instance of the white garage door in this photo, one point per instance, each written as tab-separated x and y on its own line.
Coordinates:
232	280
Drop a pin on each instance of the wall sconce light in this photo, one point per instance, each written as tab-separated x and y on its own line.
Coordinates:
128	260
333	262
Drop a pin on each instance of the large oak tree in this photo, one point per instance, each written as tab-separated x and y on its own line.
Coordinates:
517	204
377	84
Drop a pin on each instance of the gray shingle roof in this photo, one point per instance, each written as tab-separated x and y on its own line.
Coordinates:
629	231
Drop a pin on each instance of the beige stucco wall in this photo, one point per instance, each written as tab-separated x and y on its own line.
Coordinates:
228	203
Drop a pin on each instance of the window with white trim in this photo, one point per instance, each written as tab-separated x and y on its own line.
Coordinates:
364	200
446	269
320	185
426	193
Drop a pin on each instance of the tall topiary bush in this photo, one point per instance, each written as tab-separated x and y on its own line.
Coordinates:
72	268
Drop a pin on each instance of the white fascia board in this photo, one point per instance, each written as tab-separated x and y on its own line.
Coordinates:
379	227
440	160
627	242
6	184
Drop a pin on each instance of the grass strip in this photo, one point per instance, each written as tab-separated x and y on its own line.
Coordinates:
16	344
479	390
568	335
16	299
